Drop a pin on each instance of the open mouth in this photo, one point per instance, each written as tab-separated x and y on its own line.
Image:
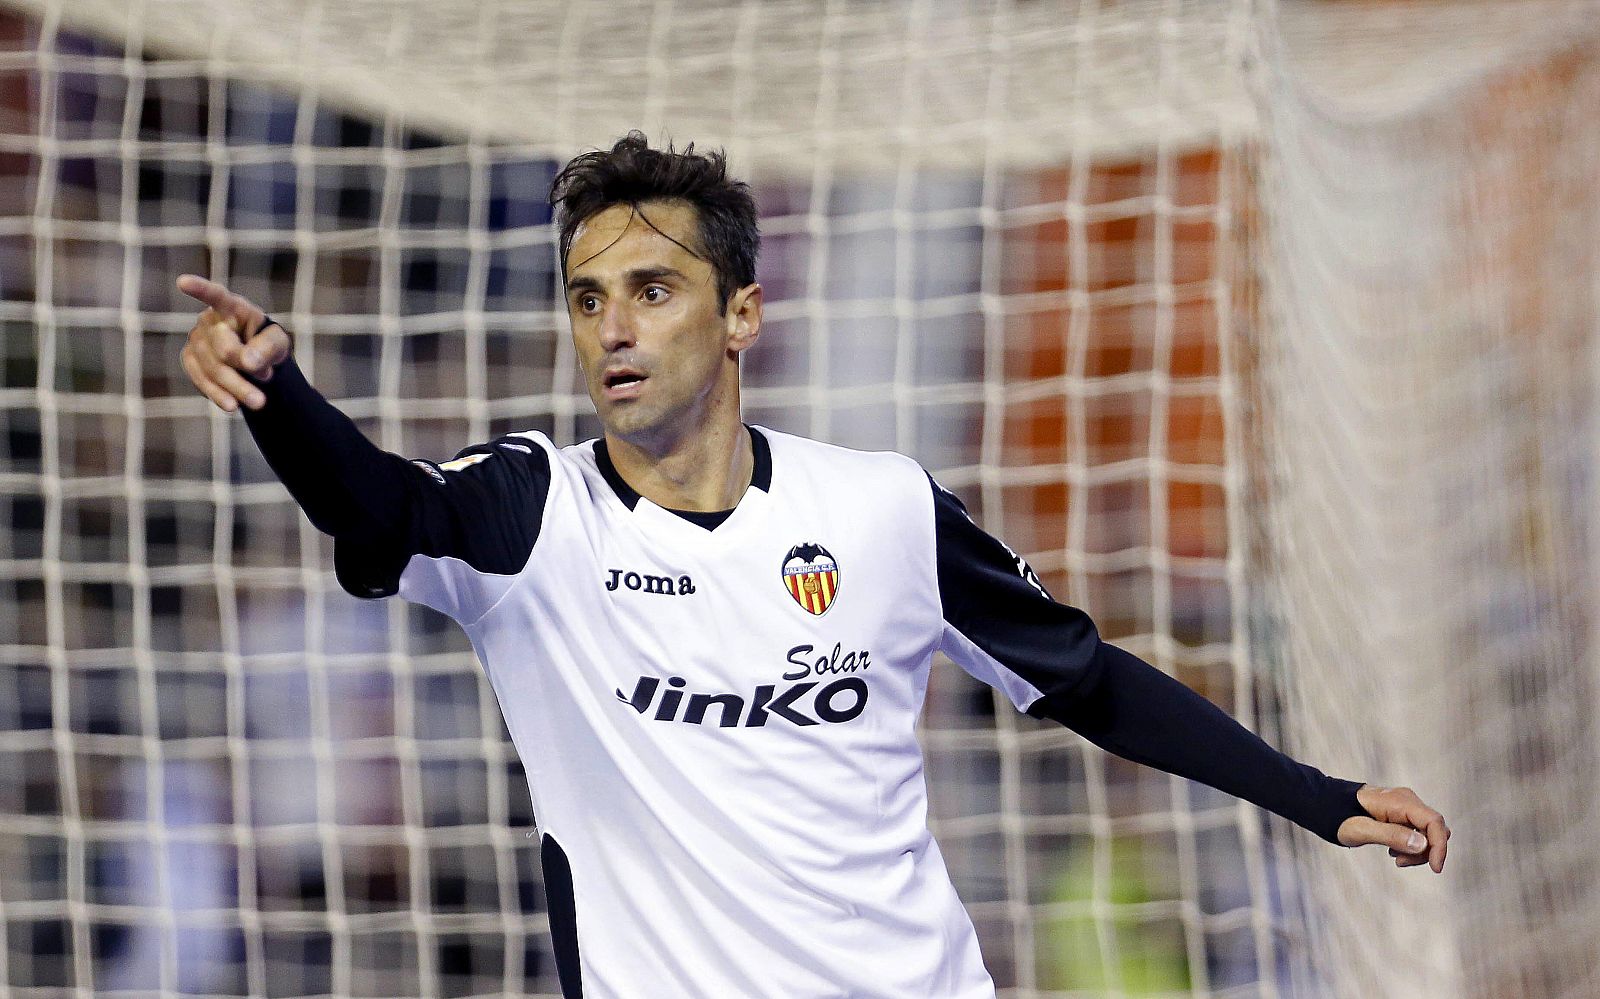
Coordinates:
622	380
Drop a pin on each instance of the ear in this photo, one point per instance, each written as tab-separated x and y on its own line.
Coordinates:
744	318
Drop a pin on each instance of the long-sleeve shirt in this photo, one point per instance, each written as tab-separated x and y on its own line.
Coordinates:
716	711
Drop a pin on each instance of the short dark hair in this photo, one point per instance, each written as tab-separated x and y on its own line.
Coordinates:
631	173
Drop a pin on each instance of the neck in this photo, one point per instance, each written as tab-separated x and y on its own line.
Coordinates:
706	470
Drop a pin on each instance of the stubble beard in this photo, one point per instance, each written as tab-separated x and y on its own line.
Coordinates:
658	425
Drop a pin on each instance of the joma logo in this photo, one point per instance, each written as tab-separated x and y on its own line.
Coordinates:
643	582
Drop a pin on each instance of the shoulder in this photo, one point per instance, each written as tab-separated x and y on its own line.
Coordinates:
884	492
524	446
522	457
579	455
811	454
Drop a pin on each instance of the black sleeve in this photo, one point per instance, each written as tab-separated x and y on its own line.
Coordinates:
382	509
993	599
1141	714
1006	619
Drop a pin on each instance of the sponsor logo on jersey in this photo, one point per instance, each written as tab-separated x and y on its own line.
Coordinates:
466	461
813	702
644	582
811	576
798	704
805	662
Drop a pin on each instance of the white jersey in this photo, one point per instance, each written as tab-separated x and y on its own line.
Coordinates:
716	711
718	724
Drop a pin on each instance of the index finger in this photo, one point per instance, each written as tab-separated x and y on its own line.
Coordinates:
1438	842
209	292
1419	816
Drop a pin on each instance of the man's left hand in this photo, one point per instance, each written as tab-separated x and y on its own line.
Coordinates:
1414	833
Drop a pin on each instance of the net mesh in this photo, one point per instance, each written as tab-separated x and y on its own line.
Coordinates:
232	779
1427	384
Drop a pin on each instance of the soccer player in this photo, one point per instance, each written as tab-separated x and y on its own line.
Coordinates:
710	641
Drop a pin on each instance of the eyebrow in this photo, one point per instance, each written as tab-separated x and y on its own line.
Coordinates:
637	276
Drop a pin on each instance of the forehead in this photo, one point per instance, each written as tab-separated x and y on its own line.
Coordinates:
620	236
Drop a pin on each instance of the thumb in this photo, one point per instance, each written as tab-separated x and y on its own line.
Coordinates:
1359	830
266	350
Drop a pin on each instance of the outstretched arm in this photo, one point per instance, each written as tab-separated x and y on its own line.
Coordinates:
380	508
1139	713
1004	628
237	357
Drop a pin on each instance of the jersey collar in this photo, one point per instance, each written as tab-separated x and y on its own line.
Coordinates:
760	473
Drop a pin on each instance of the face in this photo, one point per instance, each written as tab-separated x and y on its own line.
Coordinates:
658	352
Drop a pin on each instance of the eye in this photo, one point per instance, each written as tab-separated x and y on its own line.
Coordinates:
588	304
655	294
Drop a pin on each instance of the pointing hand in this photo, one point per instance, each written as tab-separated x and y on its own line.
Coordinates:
227	339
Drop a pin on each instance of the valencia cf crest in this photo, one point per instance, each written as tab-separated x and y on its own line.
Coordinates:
811	576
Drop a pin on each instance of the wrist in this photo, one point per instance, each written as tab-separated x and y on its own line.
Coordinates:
267	320
1345	796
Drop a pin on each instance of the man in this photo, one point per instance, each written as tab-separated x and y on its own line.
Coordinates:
711	641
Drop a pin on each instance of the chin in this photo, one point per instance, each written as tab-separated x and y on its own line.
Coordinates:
628	421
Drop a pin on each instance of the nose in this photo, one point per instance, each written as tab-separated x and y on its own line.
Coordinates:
616	327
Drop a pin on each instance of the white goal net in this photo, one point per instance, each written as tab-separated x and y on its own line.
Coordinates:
1019	241
1428	380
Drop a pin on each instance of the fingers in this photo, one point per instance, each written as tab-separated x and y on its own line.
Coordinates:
1398	815
1401	805
1438	842
213	359
1400	839
209	292
235	385
227	343
239	312
207	387
265	351
220	383
219	335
